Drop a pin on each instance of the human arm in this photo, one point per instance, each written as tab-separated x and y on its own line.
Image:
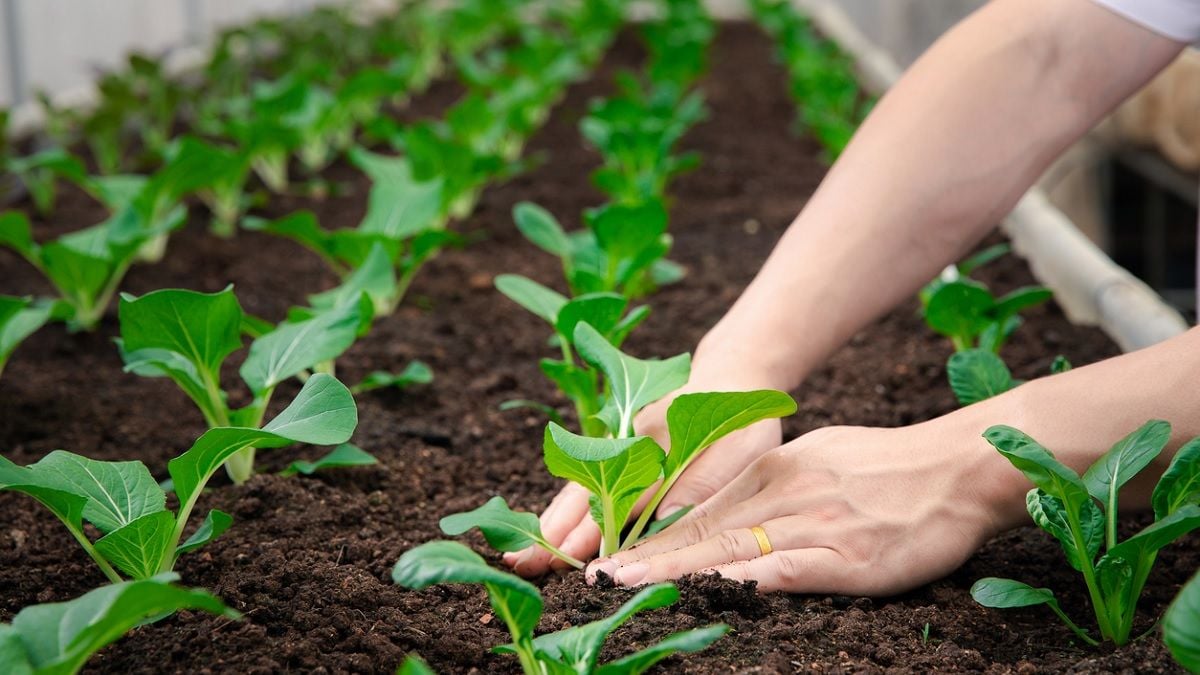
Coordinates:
942	158
867	511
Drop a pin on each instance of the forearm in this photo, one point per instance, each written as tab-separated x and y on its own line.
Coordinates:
944	156
1078	416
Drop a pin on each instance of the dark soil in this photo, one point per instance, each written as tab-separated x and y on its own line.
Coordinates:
308	560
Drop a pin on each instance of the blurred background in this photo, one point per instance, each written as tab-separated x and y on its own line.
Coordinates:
1131	186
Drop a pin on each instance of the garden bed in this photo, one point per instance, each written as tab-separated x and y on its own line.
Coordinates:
310	563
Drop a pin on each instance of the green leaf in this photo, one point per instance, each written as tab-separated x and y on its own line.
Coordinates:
301	227
416	372
414	665
1038	465
1049	514
64	504
615	471
323	413
696	421
1124	460
1022	298
214	525
60	637
538	299
375	276
398	206
579	647
343	456
574	382
1007	594
1180	483
633	383
978	374
202	328
515	600
542	229
80	277
117	493
1181	626
15	233
140	547
295	347
684	642
987	255
25	321
663	523
1060	365
960	309
1156	535
503	528
632	320
625	231
601	311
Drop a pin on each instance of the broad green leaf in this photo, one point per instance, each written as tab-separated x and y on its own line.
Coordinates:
978	374
65	505
117	493
1006	593
578	647
398	206
515	600
414	665
601	311
13	657
25	321
343	456
538	299
295	347
301	227
625	231
571	380
696	421
323	413
416	372
960	309
376	277
542	229
1049	514
615	471
1022	298
203	328
684	642
633	383
80	277
1181	626
60	637
663	523
140	547
214	525
15	233
632	320
9	307
1157	535
1038	465
1124	460
503	528
1180	483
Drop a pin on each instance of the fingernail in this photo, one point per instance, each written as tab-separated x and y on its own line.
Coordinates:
510	559
665	511
605	566
631	575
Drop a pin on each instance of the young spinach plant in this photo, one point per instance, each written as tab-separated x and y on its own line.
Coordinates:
186	336
22	317
573	650
58	638
139	535
1081	513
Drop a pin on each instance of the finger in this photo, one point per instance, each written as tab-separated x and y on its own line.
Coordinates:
582	543
566	511
723	548
800	570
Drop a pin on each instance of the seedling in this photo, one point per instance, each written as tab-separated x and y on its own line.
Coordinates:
1081	513
58	638
186	336
140	536
217	175
1181	626
22	317
619	468
41	171
87	267
519	604
979	374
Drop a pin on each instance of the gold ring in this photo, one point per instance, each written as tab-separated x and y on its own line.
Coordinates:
764	543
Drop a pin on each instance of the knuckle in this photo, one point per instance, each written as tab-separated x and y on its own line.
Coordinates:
695	529
790	569
730	545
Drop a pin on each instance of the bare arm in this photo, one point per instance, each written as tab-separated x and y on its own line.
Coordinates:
943	157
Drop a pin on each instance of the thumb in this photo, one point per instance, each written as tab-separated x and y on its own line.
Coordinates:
719	465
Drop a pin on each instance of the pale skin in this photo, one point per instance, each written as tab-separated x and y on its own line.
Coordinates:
944	156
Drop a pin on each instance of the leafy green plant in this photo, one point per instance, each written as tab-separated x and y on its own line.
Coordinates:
41	171
618	468
58	638
573	650
1181	626
1081	513
979	374
215	174
965	311
186	336
86	267
22	317
140	536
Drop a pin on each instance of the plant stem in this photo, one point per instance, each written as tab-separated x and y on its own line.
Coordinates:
1071	624
561	555
95	555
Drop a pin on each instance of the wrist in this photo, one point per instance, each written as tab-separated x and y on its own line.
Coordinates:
733	360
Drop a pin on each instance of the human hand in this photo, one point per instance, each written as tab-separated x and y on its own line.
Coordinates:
849	510
567	522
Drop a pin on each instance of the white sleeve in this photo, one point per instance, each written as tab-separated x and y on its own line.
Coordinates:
1176	19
